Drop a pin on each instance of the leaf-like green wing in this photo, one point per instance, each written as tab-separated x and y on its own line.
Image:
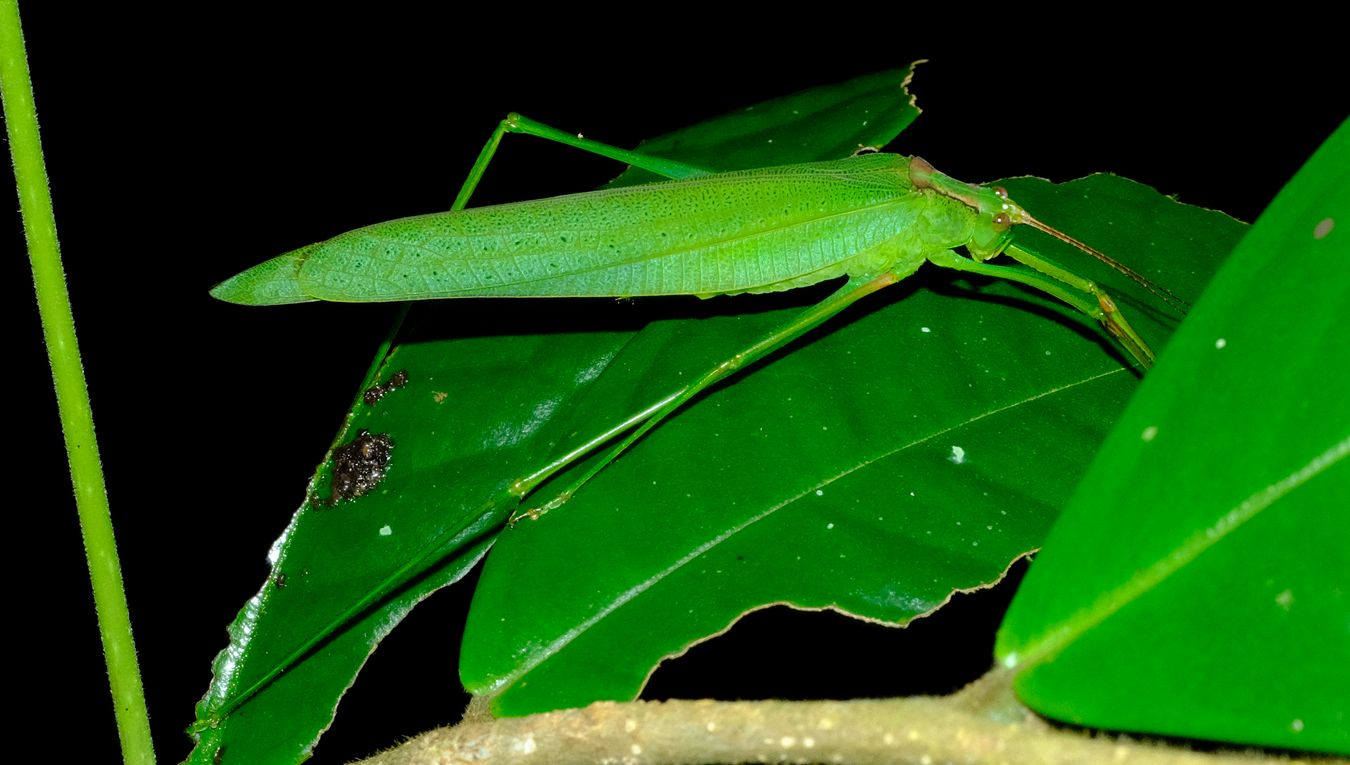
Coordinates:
1199	583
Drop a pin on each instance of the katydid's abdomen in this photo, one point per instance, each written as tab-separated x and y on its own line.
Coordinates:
752	231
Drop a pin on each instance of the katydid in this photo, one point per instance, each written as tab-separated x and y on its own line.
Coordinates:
874	218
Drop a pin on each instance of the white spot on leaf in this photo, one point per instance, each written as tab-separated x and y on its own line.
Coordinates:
1323	228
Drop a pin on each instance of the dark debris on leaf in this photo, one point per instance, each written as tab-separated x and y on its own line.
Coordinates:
376	392
360	466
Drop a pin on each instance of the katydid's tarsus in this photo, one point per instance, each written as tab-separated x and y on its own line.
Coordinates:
874	218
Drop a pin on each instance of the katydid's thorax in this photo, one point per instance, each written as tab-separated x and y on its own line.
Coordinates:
749	231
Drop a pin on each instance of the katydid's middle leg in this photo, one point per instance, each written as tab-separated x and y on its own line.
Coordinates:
785	333
516	123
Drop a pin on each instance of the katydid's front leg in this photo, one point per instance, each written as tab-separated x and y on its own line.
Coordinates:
998	214
1107	312
516	123
785	333
1063	285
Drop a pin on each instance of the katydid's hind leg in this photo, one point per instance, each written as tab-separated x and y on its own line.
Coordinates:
516	123
785	333
1073	290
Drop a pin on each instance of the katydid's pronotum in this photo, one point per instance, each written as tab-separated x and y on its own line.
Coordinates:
874	218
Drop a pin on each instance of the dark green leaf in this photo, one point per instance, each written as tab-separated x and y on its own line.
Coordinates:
1199	583
820	123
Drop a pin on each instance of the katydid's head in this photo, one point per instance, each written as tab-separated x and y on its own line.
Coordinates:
997	214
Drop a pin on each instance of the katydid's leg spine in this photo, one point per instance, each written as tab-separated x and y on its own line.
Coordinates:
799	325
1103	309
516	123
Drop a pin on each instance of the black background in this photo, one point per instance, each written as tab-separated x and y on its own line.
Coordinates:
184	146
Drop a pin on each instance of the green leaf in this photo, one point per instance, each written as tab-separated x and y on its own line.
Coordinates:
333	555
1199	583
912	448
475	413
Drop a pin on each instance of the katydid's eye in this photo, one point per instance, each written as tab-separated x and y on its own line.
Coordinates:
1001	192
1002	221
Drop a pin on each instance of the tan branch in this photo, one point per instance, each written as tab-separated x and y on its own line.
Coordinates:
979	725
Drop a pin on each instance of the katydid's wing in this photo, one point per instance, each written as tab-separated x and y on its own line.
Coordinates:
272	282
744	231
431	470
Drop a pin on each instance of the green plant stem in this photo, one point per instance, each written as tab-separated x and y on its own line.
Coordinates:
77	421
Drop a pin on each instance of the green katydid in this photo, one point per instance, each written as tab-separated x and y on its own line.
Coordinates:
874	218
910	212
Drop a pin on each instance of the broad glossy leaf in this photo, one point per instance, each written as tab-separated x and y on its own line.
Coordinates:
912	448
475	413
1199	583
331	556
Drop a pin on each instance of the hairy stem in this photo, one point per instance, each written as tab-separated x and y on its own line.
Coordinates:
77	419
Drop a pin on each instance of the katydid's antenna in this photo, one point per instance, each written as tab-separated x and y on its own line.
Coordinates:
1163	293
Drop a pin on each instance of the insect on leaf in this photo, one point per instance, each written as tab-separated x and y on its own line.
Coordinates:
475	413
